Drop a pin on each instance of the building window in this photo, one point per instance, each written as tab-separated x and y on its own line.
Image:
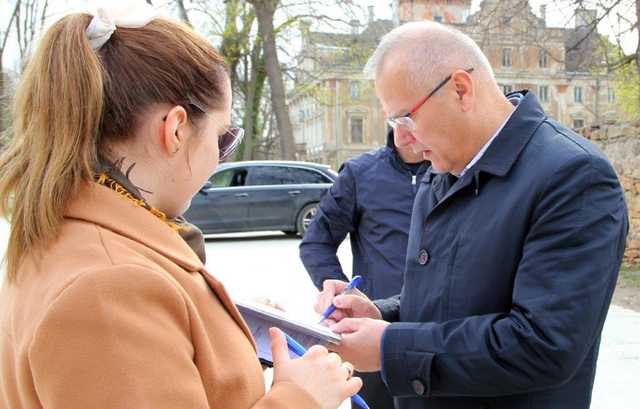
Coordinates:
355	89
611	95
507	89
357	130
543	59
301	115
544	93
578	123
506	57
577	94
437	18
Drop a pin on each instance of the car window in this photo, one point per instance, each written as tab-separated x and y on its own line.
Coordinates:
229	178
270	175
308	176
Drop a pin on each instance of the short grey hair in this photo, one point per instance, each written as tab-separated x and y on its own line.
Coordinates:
436	51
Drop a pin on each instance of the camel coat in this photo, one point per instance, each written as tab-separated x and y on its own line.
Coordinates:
118	312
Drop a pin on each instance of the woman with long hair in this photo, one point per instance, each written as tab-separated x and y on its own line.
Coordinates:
117	123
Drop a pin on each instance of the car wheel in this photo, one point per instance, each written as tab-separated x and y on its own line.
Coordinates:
305	216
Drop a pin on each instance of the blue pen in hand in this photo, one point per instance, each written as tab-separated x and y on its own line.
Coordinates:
355	281
295	347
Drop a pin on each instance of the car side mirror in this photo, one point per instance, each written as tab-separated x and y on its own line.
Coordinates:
203	190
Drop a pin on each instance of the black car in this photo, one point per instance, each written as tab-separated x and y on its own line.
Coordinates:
260	195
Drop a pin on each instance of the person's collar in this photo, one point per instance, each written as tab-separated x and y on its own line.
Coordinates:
515	99
102	206
397	159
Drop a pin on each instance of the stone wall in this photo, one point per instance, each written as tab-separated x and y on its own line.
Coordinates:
621	143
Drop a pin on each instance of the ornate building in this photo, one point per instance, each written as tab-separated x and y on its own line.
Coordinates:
336	115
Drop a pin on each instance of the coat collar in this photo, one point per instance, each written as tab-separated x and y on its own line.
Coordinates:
395	159
100	205
509	143
514	136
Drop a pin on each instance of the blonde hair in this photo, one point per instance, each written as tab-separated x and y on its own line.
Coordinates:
72	101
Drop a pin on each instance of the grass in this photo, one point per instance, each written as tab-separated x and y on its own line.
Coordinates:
630	275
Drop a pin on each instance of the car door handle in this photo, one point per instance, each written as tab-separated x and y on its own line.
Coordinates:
294	192
241	195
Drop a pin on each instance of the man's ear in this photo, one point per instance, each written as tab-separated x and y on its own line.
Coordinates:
464	86
174	130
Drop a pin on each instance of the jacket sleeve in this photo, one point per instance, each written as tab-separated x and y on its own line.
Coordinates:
335	219
561	293
389	308
114	342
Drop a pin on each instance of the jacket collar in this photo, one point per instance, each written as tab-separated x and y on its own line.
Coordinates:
514	136
100	205
395	158
509	143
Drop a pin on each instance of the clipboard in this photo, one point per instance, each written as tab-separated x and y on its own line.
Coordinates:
260	318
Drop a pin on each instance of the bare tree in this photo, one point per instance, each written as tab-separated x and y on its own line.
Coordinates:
265	10
182	12
29	21
3	91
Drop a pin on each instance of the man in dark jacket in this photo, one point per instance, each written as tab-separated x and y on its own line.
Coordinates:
371	201
515	243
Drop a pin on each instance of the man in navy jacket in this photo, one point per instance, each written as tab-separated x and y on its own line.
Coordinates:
371	200
516	239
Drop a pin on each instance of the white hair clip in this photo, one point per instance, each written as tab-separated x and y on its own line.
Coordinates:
131	14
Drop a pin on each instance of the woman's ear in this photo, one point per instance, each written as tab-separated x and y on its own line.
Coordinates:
174	131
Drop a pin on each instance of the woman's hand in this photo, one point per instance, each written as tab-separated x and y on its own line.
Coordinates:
322	374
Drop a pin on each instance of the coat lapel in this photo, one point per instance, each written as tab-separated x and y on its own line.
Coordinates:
103	206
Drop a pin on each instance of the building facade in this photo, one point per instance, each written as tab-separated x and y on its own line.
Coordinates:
335	112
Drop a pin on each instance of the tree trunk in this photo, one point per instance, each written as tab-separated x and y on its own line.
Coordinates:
3	91
3	106
638	32
182	12
253	98
265	9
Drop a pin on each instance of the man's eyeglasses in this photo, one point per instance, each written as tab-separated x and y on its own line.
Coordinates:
405	120
229	141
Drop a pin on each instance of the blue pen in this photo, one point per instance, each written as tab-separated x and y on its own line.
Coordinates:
355	281
296	348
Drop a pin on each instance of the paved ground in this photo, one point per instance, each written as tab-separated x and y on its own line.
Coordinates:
268	265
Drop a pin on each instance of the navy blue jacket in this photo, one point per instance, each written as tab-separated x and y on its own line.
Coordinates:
509	276
371	200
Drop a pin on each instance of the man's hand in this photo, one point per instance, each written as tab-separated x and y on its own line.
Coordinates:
353	305
360	345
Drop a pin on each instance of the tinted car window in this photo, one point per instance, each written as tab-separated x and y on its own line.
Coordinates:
308	176
230	177
270	175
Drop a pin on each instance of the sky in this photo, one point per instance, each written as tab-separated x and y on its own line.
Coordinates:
559	14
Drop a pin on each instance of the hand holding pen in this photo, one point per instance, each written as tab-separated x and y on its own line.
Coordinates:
340	299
